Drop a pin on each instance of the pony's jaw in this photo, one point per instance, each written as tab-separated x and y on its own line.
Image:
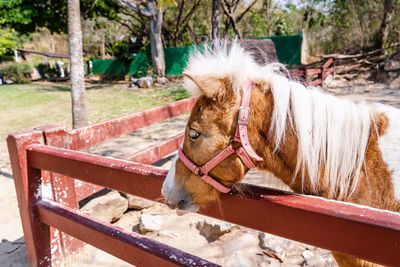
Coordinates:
175	195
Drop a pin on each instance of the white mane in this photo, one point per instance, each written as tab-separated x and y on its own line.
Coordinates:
332	132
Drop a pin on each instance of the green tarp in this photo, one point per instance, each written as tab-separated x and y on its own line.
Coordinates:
139	66
109	67
176	57
288	49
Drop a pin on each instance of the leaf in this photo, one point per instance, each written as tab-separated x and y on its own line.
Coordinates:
170	3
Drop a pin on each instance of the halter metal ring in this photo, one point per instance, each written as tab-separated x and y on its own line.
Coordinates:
245	112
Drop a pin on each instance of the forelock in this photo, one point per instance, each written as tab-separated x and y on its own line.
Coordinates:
223	59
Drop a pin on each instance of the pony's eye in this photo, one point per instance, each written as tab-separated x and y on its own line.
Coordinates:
193	134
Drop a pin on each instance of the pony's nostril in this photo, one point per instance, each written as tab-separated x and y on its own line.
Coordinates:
172	205
181	204
175	205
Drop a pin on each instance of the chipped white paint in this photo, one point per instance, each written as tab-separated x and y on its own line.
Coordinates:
54	249
44	191
389	144
143	246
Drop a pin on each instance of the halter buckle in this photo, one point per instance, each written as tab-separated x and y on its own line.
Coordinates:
244	115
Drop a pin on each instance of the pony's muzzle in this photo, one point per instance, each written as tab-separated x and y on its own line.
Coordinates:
174	205
181	201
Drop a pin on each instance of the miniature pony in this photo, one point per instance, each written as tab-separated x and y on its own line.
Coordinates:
316	143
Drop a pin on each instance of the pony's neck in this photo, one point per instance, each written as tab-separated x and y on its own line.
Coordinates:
280	161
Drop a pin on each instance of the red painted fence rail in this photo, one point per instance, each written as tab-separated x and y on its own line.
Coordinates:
43	157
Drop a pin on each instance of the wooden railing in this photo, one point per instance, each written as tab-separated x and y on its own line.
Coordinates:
43	159
313	76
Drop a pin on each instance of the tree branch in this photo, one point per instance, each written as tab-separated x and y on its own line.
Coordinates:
231	18
126	25
179	27
129	14
191	11
135	7
235	4
192	34
244	12
179	16
91	8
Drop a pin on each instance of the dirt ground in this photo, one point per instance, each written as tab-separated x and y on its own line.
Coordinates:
182	230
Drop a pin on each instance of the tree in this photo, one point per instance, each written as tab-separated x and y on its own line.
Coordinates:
78	99
229	7
382	35
176	21
25	16
8	41
155	16
215	19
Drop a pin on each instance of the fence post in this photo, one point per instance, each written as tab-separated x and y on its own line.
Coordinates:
63	192
27	183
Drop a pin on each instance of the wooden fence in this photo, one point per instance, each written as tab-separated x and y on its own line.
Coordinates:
51	176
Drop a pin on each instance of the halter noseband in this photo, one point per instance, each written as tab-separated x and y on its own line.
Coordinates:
245	152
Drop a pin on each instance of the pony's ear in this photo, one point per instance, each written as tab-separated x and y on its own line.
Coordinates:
209	86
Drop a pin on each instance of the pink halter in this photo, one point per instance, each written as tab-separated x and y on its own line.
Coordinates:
245	152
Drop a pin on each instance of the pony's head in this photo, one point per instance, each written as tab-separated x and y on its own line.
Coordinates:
217	75
306	138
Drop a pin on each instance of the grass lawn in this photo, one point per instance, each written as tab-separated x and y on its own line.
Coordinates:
23	107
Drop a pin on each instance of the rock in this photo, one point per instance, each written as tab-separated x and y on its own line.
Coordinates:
241	241
238	259
138	203
145	82
167	233
392	63
240	249
316	261
274	263
213	229
287	264
307	254
150	223
295	259
130	221
133	86
108	208
276	244
162	80
395	83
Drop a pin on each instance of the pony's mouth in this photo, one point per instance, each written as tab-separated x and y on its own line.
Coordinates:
184	207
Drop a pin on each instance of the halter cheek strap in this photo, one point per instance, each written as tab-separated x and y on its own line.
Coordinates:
243	120
245	152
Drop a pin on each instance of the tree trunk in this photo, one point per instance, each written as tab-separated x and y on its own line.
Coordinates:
79	117
157	49
103	47
269	17
215	20
382	35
